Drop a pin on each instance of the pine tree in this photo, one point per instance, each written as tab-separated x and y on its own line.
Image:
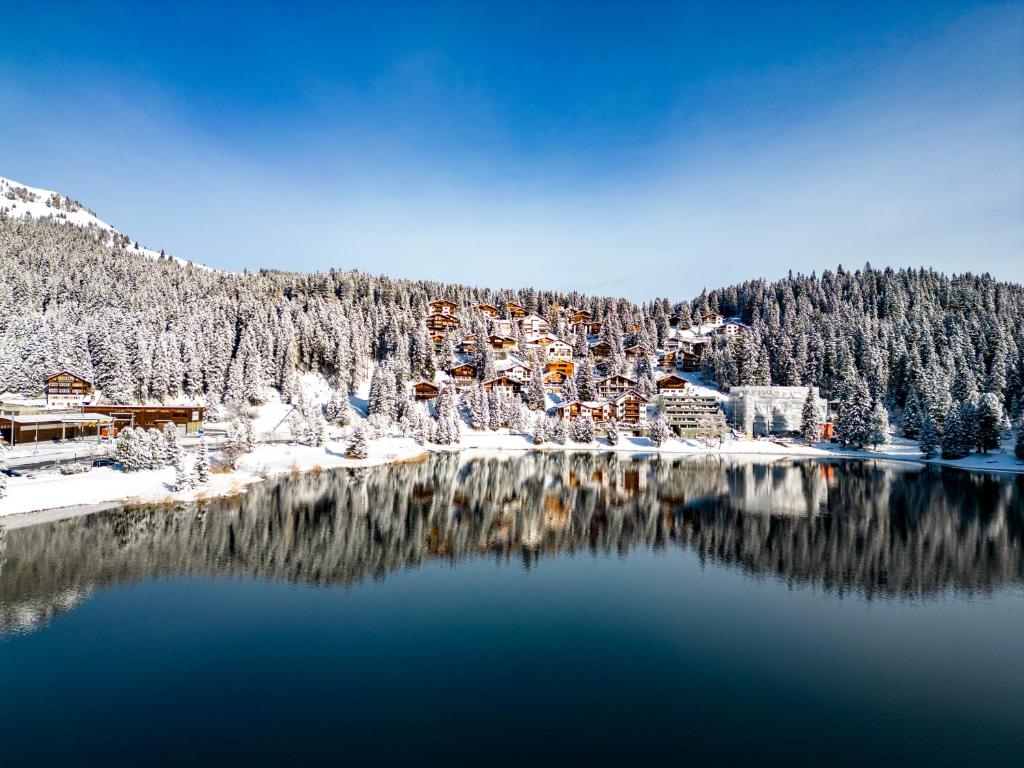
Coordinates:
535	395
879	425
810	419
912	415
1018	445
357	446
612	433
559	431
156	448
955	442
540	430
585	388
927	439
990	420
203	463
182	477
659	430
853	421
582	428
172	448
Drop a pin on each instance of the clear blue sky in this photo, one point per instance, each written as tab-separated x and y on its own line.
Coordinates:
641	149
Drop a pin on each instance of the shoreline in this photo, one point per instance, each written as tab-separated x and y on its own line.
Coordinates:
270	461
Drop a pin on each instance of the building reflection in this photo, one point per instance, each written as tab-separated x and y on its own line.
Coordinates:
874	528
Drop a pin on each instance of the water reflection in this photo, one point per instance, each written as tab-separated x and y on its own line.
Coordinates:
876	528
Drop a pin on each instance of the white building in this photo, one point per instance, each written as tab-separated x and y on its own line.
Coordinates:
770	410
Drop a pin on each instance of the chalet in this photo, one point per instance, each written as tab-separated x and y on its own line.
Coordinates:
505	384
534	324
593	327
691	351
635	352
611	387
514	369
731	328
671	381
556	350
554	381
600	350
712	318
539	340
630	408
443	307
468	344
677	320
486	309
515	310
632	327
600	411
463	374
667	359
502	344
438	341
579	316
188	418
502	326
564	367
65	389
441	322
425	390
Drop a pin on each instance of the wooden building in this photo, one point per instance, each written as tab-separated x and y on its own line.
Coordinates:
503	344
505	384
635	352
671	381
600	350
188	418
610	387
486	309
441	322
533	325
516	310
463	374
502	326
443	307
26	428
66	389
425	390
564	367
438	341
554	381
631	408
600	411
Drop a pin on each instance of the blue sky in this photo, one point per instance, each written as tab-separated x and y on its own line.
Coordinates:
641	149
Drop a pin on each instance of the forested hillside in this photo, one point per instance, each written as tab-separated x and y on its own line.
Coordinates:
145	329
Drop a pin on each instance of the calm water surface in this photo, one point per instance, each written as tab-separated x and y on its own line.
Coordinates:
529	610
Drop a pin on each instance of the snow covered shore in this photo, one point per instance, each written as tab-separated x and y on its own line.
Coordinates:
53	496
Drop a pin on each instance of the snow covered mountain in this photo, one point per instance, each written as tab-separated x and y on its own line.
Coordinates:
20	201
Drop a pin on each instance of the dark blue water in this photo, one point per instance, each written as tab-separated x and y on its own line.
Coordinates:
528	611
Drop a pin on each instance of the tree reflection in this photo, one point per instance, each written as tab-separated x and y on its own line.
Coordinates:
876	528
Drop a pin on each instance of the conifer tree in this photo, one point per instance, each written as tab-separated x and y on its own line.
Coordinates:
879	425
659	430
955	442
810	419
1018	445
990	419
535	395
203	463
853	421
612	433
357	446
927	439
172	448
585	389
582	428
559	431
540	430
182	477
912	415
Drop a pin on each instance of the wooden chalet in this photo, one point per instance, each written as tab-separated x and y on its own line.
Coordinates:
671	381
486	309
463	374
66	389
441	322
425	390
579	316
554	381
691	351
516	310
557	350
610	387
600	350
631	408
438	341
534	324
594	327
442	307
600	411
635	352
538	340
731	328
468	344
502	326
505	384
712	318
667	359
676	320
516	370
503	344
188	418
632	327
564	367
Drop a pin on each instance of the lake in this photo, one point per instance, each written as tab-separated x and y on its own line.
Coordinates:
528	609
